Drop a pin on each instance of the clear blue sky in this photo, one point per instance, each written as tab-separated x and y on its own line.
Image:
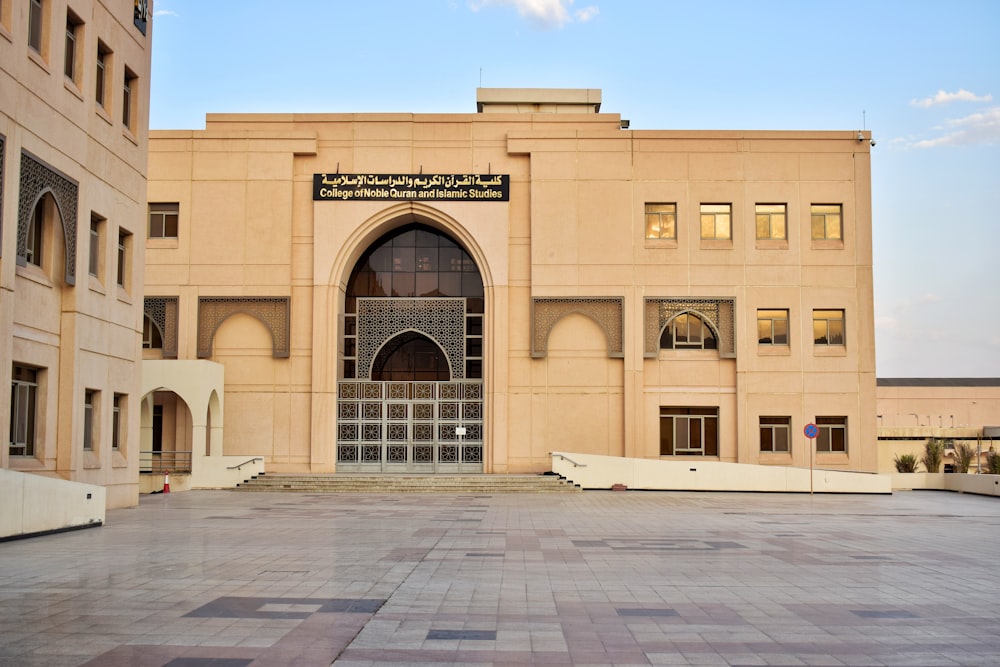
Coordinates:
924	77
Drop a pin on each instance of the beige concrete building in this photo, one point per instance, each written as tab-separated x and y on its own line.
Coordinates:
469	292
74	107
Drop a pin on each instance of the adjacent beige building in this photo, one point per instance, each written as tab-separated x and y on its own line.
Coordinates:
74	104
469	292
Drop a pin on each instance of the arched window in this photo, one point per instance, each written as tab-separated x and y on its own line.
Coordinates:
688	331
411	357
152	339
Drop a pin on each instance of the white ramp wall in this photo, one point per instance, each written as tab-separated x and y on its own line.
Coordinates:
31	504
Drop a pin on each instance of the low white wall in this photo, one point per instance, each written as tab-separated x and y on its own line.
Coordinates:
35	504
602	472
219	472
984	485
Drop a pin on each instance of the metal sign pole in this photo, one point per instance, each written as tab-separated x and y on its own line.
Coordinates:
811	431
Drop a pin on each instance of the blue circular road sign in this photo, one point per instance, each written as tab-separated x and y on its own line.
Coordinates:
811	431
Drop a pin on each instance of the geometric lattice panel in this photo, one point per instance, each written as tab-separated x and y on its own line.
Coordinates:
440	319
162	310
719	314
607	312
271	311
36	179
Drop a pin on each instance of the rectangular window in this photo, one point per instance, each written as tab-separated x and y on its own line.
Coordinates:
772	327
103	65
124	248
661	221
828	327
23	398
771	219
117	411
717	222
163	220
36	27
689	431
89	406
74	28
832	435
96	226
827	222
774	432
129	100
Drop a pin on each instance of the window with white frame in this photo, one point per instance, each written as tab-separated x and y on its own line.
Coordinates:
774	434
771	222
772	327
23	404
828	327
717	222
689	431
688	331
661	221
832	435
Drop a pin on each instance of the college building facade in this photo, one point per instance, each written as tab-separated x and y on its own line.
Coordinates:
74	108
470	292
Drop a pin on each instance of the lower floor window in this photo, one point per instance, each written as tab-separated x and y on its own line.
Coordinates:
832	435
23	398
689	431
774	434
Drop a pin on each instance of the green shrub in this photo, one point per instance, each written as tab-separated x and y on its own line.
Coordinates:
933	454
906	463
993	463
964	455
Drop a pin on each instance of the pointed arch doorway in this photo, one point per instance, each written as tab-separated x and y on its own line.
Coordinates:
410	394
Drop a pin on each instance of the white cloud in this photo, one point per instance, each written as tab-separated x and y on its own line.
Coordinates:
165	12
942	97
546	14
981	128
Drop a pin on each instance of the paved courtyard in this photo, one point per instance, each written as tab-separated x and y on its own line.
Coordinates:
599	578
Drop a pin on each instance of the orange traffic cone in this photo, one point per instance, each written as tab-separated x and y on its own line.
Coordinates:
166	481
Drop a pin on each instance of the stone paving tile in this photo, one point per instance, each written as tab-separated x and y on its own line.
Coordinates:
598	578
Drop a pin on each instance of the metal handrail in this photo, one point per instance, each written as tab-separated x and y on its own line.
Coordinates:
164	461
240	466
566	458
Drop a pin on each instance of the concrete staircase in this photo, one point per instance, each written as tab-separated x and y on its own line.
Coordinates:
373	483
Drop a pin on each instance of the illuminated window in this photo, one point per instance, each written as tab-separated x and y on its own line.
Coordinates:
772	327
661	221
828	327
832	435
163	220
774	433
771	222
687	331
689	431
827	222
717	222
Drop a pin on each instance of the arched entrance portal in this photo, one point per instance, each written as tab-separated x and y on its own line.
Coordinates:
410	397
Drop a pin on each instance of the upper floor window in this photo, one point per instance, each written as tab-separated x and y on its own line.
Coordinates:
661	221
771	222
163	220
103	69
129	99
124	263
117	410
827	222
96	234
36	234
36	25
772	327
152	339
832	435
687	331
828	327
74	30
717	222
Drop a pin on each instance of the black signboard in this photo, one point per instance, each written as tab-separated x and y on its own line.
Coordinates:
140	16
411	187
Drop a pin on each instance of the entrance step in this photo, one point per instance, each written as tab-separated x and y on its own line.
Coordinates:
373	483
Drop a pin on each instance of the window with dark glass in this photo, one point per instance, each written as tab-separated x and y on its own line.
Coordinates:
89	402
689	431
152	339
774	434
23	399
163	220
74	28
832	435
129	98
36	27
103	65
